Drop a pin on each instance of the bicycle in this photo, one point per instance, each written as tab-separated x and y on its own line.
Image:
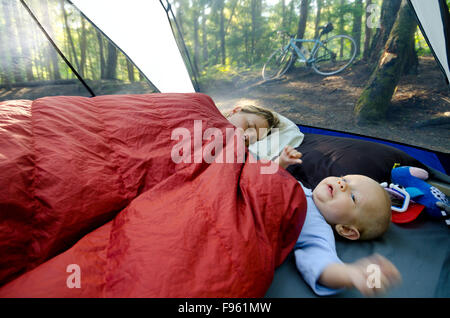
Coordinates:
327	57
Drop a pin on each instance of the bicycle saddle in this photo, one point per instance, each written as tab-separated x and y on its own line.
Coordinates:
327	28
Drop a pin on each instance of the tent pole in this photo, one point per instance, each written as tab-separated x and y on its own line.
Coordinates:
168	9
57	49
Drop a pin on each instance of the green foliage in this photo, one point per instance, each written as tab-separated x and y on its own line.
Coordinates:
251	26
421	44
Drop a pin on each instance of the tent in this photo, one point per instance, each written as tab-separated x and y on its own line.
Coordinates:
139	37
436	30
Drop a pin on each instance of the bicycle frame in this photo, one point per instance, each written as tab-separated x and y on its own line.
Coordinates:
300	56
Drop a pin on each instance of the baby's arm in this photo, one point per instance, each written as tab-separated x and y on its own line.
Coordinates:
356	275
324	272
288	156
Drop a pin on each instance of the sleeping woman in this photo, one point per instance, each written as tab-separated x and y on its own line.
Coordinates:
253	120
257	123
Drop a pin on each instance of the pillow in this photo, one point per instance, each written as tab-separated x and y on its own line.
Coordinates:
325	156
288	133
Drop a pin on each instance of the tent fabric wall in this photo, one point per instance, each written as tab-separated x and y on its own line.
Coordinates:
142	30
429	15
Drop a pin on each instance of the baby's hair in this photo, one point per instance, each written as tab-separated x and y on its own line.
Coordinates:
378	224
267	114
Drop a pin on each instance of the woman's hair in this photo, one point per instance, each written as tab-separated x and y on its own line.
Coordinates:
267	114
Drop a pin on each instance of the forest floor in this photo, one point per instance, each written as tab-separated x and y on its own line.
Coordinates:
327	102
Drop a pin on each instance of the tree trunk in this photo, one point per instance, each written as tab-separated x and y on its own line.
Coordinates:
283	15
111	62
5	67
204	37
317	21
130	70
291	12
222	31
69	37
11	42
101	55
247	46
301	28
52	52
412	60
388	16
357	19
92	66
83	47
24	38
341	24
231	16
256	10
195	17
374	101
35	34
368	33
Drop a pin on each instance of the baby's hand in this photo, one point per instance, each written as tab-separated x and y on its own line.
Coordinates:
289	156
367	280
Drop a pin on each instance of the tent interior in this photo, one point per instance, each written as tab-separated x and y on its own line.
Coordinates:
219	47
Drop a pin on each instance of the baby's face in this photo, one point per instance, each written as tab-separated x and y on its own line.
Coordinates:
343	200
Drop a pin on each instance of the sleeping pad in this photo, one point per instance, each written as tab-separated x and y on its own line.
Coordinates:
93	204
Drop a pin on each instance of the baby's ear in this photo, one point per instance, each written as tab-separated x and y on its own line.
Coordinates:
348	231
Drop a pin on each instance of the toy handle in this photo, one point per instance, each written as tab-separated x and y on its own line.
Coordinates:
403	192
395	188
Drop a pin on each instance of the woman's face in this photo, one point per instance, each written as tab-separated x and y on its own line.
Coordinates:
255	127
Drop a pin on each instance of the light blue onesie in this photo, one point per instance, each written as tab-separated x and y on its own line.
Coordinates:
315	247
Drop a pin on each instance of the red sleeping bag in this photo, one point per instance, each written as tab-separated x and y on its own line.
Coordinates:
92	203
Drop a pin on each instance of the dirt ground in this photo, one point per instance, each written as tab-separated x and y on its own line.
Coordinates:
308	98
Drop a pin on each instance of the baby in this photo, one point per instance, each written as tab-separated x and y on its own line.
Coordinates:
357	208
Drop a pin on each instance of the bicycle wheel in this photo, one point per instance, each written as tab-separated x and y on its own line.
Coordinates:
334	55
277	64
